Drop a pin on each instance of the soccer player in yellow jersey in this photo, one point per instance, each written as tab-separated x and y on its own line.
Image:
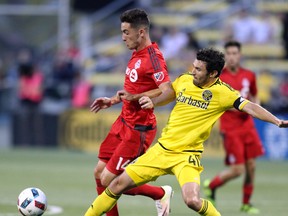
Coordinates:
201	98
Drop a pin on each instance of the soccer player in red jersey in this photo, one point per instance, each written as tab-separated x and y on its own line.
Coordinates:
241	141
134	130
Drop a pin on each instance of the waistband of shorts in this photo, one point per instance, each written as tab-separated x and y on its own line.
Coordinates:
139	127
194	151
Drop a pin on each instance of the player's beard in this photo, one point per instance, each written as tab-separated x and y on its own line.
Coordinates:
201	82
234	68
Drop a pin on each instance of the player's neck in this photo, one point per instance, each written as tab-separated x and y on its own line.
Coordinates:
146	43
210	82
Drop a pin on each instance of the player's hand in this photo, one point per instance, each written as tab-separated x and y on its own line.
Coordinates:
146	102
100	103
124	95
283	124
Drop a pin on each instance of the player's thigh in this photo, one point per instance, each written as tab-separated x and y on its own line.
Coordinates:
253	145
188	169
133	144
149	166
111	142
234	148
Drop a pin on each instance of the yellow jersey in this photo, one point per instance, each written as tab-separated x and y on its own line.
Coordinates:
195	112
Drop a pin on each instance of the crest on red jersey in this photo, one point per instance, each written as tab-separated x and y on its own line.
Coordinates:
159	76
137	64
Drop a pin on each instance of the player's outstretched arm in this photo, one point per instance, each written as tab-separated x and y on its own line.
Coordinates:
259	112
104	103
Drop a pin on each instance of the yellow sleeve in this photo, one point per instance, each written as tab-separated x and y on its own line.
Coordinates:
176	81
240	103
232	99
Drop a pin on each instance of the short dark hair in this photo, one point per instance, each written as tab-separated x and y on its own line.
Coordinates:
214	59
136	17
233	44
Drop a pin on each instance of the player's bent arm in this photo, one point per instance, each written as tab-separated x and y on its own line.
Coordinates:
167	95
151	94
259	112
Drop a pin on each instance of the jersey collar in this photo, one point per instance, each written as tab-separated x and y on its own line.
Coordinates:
214	83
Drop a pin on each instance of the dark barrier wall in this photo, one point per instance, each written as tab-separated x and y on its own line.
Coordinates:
34	129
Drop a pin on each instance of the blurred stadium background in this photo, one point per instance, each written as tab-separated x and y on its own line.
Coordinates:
74	49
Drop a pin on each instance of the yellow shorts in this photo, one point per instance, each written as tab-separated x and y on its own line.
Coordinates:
157	161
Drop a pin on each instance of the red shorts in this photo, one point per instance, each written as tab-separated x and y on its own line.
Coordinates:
242	145
123	144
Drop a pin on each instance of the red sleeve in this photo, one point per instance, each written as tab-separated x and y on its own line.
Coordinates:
159	67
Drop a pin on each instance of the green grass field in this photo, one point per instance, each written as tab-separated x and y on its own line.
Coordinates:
67	179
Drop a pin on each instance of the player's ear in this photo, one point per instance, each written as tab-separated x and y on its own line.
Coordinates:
213	74
142	32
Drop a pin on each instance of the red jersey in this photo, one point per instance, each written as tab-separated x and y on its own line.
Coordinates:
145	71
245	82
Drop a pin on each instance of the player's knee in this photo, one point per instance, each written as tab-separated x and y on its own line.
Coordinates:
107	177
105	181
97	172
238	170
251	164
193	202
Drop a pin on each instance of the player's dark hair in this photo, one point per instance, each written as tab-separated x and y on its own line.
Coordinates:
136	17
214	59
233	44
